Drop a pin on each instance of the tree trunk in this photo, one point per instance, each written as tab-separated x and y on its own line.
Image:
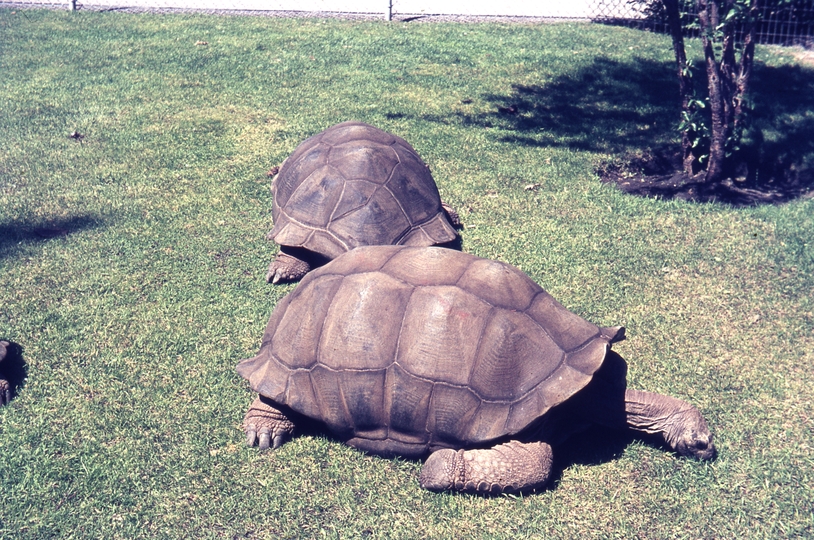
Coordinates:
747	61
728	81
708	17
684	80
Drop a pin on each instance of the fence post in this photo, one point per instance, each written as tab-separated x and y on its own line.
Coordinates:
72	4
388	14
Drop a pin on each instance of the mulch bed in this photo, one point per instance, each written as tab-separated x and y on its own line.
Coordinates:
657	174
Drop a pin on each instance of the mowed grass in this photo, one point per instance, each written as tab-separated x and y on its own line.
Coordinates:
132	264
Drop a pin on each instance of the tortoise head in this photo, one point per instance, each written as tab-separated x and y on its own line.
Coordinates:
691	436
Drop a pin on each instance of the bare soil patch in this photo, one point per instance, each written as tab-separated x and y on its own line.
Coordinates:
657	173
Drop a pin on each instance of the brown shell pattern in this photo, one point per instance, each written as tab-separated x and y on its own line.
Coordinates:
355	185
403	350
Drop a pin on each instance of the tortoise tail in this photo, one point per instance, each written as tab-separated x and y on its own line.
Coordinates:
613	334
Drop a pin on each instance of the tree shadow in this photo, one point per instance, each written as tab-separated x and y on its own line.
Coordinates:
608	106
632	109
15	232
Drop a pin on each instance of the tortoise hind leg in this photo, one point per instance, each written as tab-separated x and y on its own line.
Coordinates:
506	468
287	267
266	424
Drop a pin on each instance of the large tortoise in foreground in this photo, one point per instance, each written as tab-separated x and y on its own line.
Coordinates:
348	186
409	351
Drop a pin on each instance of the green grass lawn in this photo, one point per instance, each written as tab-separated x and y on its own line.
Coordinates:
132	266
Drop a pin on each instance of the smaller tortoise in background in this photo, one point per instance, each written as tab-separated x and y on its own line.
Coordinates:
5	385
414	351
348	186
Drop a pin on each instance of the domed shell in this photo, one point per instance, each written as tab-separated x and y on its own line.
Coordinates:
402	350
356	185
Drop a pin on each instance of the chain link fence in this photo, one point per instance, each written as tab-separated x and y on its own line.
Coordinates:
784	23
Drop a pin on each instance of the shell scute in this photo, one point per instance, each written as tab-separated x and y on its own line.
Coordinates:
513	358
363	393
568	330
499	284
452	409
488	423
353	130
330	400
316	198
525	410
409	400
354	185
361	260
429	232
379	222
410	266
300	395
361	160
357	194
271	378
412	185
563	384
439	334
361	329
306	159
297	333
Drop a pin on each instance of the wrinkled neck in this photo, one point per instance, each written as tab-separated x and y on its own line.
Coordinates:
656	414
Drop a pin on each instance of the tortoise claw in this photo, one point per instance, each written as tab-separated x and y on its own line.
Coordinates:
266	425
264	439
251	436
278	441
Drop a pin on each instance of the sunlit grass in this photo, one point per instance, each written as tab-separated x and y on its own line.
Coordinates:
132	265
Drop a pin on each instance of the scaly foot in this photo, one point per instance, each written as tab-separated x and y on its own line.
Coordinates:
286	267
506	468
266	425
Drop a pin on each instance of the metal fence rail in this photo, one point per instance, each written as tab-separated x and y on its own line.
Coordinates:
786	25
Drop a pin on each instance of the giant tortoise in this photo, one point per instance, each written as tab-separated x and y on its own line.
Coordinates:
5	385
352	185
412	351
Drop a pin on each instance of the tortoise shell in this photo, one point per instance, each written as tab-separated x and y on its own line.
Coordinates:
403	350
355	185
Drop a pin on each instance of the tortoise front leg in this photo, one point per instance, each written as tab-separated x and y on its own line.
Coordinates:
266	424
506	468
5	392
682	425
286	267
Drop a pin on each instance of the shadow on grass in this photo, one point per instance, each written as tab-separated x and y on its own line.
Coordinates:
13	233
632	109
608	106
594	446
